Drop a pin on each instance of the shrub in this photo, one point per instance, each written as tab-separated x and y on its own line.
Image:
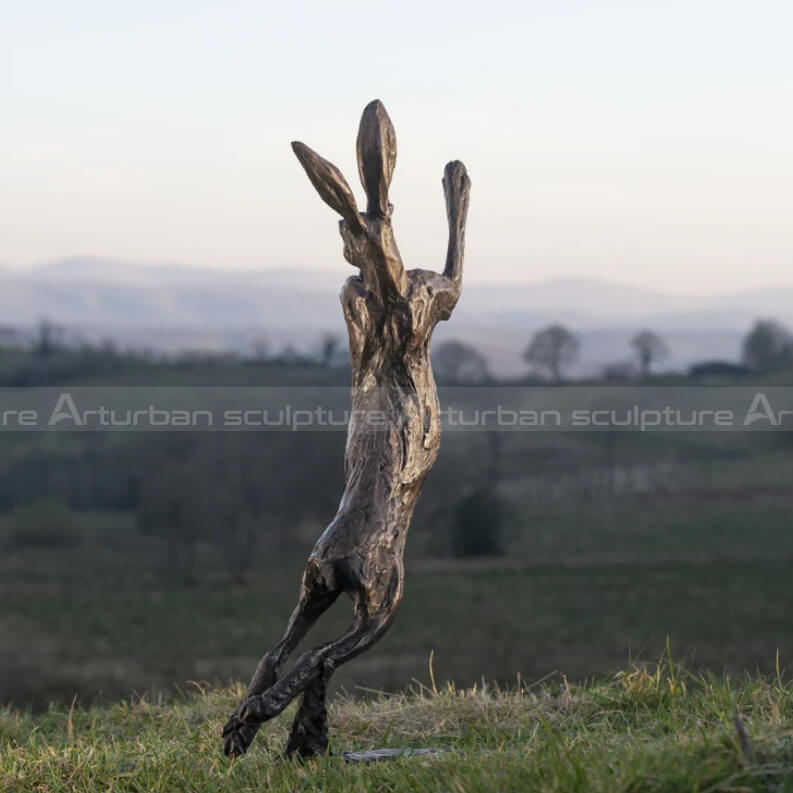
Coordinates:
48	523
477	524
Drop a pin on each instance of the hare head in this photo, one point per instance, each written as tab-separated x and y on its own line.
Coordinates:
367	236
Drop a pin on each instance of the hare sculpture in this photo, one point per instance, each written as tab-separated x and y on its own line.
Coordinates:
392	442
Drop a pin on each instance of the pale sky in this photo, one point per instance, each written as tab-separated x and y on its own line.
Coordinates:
643	142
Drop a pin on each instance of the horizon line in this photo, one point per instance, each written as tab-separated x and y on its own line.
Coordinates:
471	278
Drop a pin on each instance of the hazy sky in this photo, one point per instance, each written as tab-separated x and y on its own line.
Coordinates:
644	142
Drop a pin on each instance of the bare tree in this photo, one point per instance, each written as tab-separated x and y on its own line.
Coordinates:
552	349
260	348
173	508
329	348
768	346
49	338
456	360
649	348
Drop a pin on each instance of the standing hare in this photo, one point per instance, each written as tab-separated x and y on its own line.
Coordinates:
393	436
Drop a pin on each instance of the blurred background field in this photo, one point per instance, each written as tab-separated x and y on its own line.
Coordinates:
139	561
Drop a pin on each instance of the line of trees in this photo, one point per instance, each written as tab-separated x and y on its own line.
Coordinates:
48	355
552	350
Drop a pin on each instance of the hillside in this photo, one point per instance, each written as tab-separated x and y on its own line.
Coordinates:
654	728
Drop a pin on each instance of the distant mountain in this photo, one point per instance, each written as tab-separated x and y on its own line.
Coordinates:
173	307
117	271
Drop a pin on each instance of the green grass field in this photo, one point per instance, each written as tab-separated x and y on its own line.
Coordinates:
584	586
649	728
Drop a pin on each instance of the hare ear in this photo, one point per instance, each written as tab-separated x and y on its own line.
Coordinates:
376	149
456	188
330	184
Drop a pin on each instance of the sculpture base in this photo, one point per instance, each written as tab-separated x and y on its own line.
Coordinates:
378	755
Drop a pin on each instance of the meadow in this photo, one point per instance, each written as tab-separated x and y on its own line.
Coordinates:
585	585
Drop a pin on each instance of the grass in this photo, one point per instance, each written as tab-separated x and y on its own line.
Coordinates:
649	728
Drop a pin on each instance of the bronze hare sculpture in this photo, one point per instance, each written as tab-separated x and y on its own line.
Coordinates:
393	436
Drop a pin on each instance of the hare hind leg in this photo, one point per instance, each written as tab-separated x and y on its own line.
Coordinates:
313	603
313	669
309	734
316	596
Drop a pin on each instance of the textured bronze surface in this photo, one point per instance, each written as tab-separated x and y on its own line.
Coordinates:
392	442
